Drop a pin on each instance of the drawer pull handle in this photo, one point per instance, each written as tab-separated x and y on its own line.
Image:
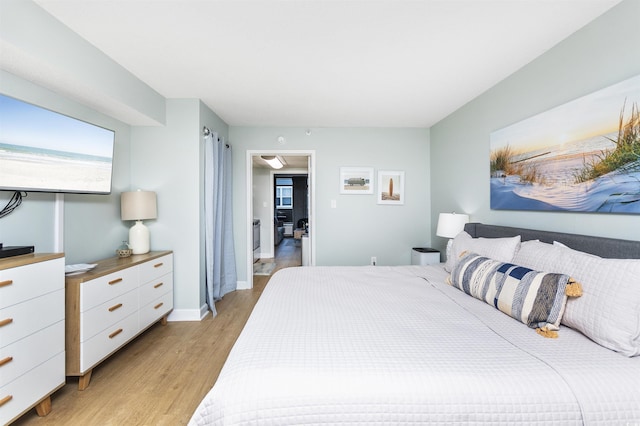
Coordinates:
158	305
5	400
6	321
114	307
115	333
6	360
157	265
158	285
116	281
6	283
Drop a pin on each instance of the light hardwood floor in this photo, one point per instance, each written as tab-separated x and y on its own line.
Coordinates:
160	377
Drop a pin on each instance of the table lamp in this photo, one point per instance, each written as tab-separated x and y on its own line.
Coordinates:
138	205
450	225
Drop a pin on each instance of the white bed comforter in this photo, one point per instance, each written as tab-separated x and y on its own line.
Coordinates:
395	345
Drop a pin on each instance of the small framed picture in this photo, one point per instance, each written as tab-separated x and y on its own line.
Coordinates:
390	187
356	180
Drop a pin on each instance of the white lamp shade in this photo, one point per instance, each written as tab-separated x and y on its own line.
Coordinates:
138	205
451	224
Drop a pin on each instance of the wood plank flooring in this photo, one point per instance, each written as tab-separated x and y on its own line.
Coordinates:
161	376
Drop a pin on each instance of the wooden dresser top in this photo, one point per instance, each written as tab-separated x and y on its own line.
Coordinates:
27	259
114	264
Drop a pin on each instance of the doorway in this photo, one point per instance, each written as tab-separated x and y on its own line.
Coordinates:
261	201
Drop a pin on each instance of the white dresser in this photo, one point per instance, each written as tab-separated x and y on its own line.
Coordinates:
111	304
32	359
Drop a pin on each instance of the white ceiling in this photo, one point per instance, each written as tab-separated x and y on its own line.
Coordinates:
325	63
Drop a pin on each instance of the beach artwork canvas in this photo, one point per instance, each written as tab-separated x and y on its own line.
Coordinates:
583	156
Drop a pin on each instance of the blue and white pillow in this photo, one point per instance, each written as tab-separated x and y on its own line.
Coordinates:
537	299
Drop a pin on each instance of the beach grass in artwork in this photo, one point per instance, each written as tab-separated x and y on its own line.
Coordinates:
626	151
583	156
506	161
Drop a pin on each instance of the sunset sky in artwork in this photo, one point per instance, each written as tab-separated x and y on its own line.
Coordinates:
595	114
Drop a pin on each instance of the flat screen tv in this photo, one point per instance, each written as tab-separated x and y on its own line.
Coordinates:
45	151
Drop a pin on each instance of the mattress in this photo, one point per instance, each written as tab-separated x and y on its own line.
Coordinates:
396	345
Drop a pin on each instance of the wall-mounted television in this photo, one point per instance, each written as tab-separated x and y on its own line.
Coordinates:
45	151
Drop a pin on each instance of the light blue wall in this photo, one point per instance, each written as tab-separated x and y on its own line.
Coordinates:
163	158
61	63
169	160
446	167
54	54
166	158
600	54
358	228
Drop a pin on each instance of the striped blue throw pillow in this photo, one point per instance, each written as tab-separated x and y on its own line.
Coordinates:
537	299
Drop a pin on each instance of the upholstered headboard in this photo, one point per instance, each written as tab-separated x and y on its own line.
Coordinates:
600	246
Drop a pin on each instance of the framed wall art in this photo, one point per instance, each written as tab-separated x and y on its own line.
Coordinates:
390	187
356	180
582	156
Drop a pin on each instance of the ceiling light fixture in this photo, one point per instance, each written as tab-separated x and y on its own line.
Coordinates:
273	161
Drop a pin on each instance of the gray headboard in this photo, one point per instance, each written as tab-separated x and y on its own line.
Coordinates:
604	247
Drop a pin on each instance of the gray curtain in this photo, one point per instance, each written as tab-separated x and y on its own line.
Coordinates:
220	263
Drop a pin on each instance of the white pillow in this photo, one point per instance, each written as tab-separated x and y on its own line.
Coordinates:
609	310
535	254
502	249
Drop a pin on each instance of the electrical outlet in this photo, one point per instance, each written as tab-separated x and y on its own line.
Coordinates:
374	260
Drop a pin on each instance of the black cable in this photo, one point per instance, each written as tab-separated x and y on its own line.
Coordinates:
14	202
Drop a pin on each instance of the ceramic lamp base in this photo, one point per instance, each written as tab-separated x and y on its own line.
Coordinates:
139	238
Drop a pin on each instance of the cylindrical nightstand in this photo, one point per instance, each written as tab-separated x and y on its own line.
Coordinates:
424	256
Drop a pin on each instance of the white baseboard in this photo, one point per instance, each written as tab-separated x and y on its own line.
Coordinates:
198	315
243	285
267	254
188	314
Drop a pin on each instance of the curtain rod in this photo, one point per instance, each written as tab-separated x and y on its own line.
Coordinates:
206	132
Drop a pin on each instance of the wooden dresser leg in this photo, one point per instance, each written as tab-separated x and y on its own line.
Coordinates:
44	407
164	321
83	383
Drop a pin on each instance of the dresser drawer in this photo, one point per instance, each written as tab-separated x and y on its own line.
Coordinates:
26	282
103	315
156	268
96	291
107	341
28	317
31	387
156	309
108	313
156	288
21	356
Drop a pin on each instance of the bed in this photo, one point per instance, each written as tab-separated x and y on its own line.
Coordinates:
403	345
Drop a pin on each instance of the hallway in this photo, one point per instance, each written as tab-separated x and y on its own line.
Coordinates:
287	254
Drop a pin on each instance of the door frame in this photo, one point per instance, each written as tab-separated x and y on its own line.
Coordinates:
250	154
